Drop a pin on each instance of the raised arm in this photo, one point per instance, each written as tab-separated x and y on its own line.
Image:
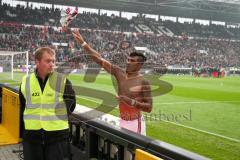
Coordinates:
112	69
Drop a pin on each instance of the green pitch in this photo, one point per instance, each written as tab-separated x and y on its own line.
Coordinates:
198	114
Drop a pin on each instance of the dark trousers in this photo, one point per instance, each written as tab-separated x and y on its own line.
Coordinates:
52	151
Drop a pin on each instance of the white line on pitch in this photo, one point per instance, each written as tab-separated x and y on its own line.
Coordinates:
199	130
197	102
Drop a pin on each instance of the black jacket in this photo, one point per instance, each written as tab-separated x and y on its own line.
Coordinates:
42	136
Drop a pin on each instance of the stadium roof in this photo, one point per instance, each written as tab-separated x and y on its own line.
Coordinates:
218	10
227	1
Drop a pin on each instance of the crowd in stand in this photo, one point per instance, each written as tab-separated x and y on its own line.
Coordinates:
46	16
165	50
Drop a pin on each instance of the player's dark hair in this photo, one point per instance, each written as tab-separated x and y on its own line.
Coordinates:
139	54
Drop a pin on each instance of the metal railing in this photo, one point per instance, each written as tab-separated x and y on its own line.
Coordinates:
96	139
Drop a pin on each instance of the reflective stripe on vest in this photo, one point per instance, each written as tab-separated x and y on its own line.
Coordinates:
45	111
28	92
45	118
57	105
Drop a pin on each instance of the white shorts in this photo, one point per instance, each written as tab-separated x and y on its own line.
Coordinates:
137	125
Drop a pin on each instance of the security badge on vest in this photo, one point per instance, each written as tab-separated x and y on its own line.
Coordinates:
38	94
44	110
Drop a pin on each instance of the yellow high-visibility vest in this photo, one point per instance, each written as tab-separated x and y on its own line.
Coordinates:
44	110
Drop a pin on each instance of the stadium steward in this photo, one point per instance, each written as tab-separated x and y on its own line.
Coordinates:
46	99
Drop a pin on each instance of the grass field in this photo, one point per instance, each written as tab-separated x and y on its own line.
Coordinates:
198	114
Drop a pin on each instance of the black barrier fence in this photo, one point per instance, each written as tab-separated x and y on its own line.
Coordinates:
97	140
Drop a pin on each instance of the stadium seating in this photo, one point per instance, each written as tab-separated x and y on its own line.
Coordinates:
174	47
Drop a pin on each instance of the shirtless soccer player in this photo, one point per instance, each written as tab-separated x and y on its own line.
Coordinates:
134	92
